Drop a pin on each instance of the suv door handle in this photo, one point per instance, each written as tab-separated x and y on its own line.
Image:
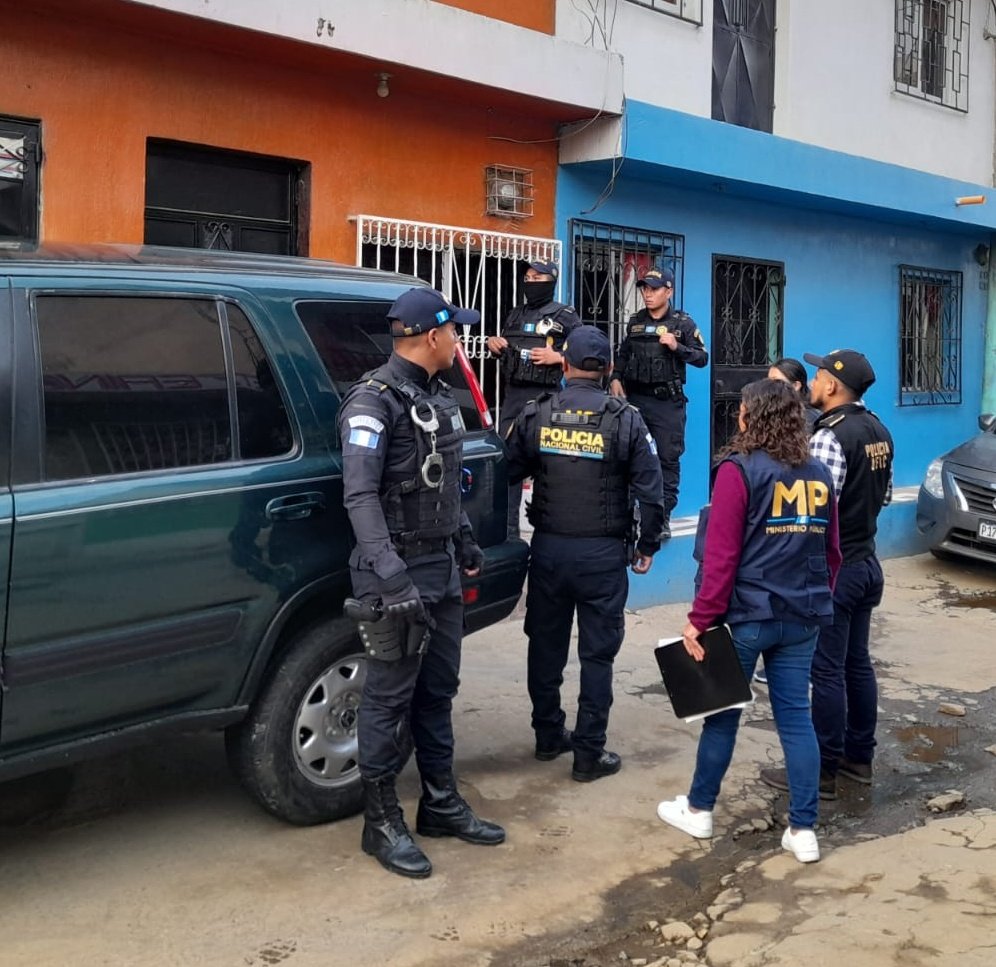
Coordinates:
295	506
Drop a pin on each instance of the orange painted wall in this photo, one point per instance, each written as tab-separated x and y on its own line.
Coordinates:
100	92
534	14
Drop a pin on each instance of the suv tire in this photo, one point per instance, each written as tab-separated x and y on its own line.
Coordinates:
296	750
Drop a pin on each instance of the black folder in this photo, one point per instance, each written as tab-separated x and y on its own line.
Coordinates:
700	688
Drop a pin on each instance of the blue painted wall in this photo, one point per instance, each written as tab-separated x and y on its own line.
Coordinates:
842	278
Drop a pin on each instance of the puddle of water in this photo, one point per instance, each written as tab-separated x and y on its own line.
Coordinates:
929	742
986	599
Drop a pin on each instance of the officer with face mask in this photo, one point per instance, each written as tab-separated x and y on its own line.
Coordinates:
402	436
530	352
649	371
589	455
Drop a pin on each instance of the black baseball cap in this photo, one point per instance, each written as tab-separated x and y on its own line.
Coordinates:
848	365
420	309
544	268
656	279
587	347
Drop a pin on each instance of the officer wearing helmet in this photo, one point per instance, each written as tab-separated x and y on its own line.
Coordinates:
529	350
590	455
402	434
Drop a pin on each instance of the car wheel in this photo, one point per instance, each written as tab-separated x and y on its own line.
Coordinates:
296	750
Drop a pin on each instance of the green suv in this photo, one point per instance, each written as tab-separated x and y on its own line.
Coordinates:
173	546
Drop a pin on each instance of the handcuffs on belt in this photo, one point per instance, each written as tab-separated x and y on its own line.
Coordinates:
432	467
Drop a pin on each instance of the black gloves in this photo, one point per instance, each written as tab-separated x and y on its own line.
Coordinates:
471	556
399	597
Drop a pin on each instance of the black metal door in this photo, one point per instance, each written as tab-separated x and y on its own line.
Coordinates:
743	62
747	313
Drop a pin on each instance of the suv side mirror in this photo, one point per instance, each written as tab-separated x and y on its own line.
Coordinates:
986	422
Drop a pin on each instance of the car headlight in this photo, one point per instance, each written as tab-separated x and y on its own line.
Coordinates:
932	482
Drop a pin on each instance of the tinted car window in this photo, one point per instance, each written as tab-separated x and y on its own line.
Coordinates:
264	430
354	337
131	384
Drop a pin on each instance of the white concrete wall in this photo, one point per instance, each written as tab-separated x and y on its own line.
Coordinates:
833	78
436	38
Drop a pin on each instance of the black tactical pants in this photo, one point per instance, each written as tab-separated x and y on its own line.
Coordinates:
412	699
568	574
666	421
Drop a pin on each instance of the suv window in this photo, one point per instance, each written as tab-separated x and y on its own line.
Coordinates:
354	337
264	430
134	384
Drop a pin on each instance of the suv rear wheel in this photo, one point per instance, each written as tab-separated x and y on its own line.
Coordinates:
296	750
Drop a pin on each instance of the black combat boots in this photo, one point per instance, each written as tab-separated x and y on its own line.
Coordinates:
442	811
385	835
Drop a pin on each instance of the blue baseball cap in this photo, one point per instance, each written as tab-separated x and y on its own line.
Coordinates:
420	309
587	347
657	278
545	268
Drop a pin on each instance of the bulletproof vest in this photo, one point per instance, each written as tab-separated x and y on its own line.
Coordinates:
868	449
420	490
783	572
582	488
529	328
650	364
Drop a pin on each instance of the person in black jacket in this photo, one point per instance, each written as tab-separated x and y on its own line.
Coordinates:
530	354
857	449
589	455
402	435
649	370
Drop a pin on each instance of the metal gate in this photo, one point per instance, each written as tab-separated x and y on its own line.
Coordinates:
748	299
472	267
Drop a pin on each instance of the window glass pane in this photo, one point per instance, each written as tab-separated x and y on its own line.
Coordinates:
131	384
354	337
264	430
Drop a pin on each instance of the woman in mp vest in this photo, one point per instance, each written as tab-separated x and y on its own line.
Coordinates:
770	562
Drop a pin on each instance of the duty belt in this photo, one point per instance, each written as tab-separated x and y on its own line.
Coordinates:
669	390
409	546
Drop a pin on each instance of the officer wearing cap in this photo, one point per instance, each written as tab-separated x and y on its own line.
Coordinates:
402	436
650	363
857	449
590	455
529	350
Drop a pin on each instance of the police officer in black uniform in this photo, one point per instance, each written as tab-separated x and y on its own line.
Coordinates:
650	363
402	436
530	353
589	455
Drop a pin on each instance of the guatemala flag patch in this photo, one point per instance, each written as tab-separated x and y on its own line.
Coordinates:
652	443
364	438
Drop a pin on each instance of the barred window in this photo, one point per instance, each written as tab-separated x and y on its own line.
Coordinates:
609	260
20	158
930	59
690	10
929	336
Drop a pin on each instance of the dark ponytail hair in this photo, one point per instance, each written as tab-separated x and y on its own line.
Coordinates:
794	372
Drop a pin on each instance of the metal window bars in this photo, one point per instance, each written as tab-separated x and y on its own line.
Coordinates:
690	10
608	261
930	58
930	337
508	191
472	267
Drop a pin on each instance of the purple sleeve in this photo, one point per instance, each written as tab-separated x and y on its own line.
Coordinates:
723	544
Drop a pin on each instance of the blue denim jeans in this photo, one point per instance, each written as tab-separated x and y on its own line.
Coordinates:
788	654
845	693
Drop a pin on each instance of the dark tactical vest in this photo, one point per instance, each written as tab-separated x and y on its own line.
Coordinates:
582	489
868	449
529	328
650	365
783	571
420	489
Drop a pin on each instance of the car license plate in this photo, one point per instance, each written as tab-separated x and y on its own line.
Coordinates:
987	530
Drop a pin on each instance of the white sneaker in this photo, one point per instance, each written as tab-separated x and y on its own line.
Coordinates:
801	844
675	812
